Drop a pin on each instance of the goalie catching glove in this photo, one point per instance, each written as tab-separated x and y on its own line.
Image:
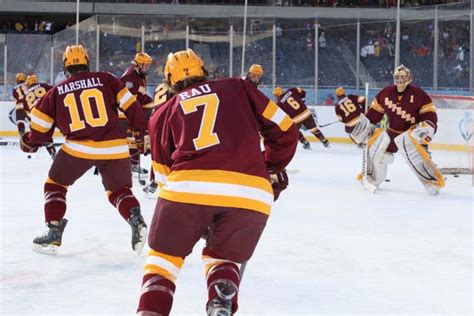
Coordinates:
25	144
279	182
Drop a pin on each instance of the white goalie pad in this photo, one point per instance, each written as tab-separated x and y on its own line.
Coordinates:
420	162
376	160
362	130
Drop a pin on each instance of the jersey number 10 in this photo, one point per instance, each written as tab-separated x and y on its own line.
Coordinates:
77	123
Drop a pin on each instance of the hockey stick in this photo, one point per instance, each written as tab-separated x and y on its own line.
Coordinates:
141	181
365	151
15	143
327	124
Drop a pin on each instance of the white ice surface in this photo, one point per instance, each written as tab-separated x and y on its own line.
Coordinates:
330	248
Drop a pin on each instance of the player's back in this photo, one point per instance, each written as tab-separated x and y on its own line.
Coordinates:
33	94
214	126
292	102
86	106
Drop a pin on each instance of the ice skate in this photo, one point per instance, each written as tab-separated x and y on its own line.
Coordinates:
50	241
139	230
221	305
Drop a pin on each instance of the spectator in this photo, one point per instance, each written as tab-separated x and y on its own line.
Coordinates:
329	100
322	40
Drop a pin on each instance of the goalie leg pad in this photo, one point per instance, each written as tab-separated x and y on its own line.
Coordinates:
420	162
377	159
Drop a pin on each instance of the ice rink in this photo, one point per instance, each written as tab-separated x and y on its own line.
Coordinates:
330	248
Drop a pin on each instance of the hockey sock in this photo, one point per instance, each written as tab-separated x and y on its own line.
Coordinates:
54	201
221	271
316	132
123	200
134	156
157	295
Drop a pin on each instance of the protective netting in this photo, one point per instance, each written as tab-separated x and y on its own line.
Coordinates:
453	143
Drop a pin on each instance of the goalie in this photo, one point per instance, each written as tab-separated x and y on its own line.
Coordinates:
412	123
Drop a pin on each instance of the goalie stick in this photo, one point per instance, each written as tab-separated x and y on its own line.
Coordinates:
365	151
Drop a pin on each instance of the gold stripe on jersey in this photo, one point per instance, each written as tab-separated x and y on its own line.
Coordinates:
273	113
221	176
19	106
38	128
376	106
40	121
163	264
161	172
215	200
149	105
121	94
104	150
302	116
429	107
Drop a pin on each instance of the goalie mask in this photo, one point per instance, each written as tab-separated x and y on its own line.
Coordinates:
401	78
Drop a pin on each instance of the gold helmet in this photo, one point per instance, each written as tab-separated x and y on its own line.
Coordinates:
141	59
75	55
278	91
256	69
31	80
340	92
402	77
183	65
20	77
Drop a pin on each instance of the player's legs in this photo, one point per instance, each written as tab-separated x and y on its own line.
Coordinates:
303	140
231	241
64	171
117	180
174	230
311	126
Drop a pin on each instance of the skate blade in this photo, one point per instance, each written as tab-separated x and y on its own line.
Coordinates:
46	250
138	247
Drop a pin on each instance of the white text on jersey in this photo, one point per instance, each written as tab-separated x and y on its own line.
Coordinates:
79	84
195	92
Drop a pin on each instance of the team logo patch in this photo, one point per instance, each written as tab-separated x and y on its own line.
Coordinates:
129	84
12	116
465	126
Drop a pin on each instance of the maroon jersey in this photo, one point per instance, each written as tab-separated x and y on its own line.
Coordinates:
403	110
19	92
206	145
349	109
33	95
162	94
85	109
136	83
292	102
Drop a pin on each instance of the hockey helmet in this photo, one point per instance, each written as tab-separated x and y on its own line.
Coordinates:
141	59
183	65
278	91
75	55
20	77
340	92
31	80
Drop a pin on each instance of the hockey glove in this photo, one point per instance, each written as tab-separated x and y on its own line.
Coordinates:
279	182
423	133
139	139
26	145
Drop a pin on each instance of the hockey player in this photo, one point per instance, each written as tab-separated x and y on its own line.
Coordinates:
134	79
84	108
255	75
349	108
163	93
292	101
18	95
412	123
206	155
